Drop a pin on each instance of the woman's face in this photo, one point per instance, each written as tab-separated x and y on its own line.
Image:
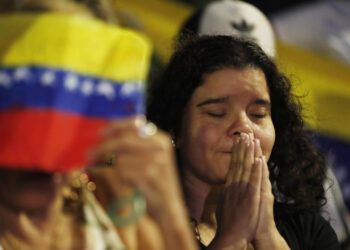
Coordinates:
28	190
228	102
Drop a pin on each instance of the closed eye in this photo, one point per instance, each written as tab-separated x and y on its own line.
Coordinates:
260	109
259	116
217	115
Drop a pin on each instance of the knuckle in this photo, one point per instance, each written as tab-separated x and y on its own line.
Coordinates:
270	196
251	191
125	176
151	172
163	142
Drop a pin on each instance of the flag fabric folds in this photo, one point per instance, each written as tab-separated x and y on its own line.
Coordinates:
62	78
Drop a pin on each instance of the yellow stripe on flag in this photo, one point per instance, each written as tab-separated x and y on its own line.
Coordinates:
74	42
325	85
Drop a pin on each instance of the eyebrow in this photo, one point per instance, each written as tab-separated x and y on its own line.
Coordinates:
258	101
213	101
263	102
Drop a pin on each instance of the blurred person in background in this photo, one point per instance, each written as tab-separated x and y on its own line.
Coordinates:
319	26
323	29
56	94
250	173
241	19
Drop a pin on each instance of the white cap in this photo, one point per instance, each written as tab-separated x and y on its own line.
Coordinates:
237	18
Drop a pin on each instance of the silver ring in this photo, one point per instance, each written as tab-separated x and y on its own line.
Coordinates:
147	130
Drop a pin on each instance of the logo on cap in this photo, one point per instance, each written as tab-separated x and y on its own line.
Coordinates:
243	26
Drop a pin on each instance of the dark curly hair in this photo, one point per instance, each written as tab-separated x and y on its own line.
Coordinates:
297	169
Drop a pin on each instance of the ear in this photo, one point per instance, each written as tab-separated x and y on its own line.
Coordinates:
175	140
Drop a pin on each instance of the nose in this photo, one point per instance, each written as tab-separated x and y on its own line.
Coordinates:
239	125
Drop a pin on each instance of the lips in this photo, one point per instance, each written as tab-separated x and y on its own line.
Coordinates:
225	149
225	152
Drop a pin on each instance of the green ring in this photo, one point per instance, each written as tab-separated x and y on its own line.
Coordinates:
138	202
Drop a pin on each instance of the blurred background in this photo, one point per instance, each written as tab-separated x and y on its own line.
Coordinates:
313	49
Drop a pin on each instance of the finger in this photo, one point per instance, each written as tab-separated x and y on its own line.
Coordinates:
129	143
256	176
267	198
130	169
248	161
239	159
258	150
266	186
109	184
113	147
119	125
234	170
251	136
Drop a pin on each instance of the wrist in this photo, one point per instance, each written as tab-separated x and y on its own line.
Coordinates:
175	228
173	215
271	240
171	209
220	243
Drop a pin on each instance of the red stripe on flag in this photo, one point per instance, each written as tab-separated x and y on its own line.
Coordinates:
46	140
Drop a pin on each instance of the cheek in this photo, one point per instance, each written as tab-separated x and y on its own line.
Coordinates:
207	137
200	141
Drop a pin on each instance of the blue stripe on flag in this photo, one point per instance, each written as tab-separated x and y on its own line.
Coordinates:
67	91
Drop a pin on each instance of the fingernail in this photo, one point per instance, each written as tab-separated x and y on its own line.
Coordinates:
140	121
251	136
257	160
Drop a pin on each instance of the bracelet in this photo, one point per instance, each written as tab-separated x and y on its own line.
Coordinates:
138	203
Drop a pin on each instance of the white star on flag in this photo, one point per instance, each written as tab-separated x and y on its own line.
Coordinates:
130	87
21	73
5	80
106	89
71	82
87	87
48	78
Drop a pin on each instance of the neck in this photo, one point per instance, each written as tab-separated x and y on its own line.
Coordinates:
196	192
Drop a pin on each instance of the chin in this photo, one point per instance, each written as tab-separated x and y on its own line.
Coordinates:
28	200
28	191
223	171
34	201
218	179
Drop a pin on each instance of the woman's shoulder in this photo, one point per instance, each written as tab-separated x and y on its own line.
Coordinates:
304	229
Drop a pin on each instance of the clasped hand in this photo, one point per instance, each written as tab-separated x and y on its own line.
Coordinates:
245	207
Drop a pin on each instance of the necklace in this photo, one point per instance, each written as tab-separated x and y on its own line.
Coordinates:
209	234
204	232
196	231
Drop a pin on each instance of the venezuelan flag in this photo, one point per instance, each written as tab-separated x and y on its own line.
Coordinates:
62	78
